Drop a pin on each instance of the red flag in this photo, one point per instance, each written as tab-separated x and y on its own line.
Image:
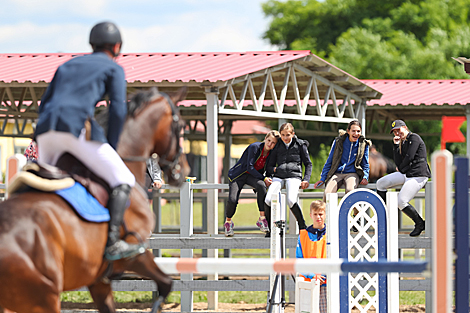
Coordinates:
451	130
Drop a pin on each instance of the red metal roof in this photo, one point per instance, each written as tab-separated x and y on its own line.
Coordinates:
156	67
420	91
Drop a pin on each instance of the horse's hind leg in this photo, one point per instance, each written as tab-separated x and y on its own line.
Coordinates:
145	266
102	295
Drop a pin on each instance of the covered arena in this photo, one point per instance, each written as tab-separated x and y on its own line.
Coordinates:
226	87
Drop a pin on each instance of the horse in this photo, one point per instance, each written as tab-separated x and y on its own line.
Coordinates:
45	248
379	165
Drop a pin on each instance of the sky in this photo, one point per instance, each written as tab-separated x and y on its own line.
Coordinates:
29	26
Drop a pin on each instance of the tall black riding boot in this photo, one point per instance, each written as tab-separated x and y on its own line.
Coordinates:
383	195
411	212
298	216
267	215
115	248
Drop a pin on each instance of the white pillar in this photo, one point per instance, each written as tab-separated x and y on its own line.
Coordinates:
212	173
361	117
186	230
332	252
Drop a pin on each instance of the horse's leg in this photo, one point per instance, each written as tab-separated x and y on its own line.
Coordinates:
102	295
145	266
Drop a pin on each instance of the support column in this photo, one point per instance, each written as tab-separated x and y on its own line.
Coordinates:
361	116
227	158
212	173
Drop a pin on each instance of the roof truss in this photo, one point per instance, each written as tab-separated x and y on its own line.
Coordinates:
264	94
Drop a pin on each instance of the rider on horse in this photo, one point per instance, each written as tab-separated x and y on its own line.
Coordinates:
66	124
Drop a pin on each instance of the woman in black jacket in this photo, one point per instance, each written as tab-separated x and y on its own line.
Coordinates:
409	153
285	165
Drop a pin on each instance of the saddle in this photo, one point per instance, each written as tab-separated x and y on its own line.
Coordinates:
67	171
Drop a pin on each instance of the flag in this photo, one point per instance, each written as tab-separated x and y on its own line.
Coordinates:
451	130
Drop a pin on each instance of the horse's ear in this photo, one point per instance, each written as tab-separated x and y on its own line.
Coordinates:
178	95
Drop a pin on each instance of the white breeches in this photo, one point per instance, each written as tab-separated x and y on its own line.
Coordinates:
411	186
99	157
292	186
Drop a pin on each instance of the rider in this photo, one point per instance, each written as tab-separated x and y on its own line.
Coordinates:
66	124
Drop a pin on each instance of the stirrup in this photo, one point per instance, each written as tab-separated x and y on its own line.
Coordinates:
122	250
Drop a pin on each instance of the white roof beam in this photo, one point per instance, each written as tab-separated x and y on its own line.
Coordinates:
275	115
296	90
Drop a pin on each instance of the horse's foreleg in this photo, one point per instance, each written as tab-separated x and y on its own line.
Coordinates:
145	266
102	295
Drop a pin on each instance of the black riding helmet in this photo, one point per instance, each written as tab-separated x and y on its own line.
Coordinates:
105	34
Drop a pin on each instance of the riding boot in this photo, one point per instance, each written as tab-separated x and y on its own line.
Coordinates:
115	248
383	195
267	215
411	212
298	216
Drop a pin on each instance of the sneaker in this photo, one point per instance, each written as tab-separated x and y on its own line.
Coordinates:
121	250
262	223
228	229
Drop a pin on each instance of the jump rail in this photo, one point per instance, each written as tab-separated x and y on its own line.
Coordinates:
240	266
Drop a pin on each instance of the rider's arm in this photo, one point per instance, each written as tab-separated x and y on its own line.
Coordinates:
116	89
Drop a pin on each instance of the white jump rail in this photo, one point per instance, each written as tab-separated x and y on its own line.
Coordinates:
249	266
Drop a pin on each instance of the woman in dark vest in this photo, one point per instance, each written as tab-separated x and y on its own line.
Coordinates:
409	154
348	161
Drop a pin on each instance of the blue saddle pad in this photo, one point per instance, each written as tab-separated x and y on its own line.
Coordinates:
84	203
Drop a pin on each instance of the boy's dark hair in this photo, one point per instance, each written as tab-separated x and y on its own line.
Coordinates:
354	122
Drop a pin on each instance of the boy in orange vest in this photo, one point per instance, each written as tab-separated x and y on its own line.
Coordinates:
312	244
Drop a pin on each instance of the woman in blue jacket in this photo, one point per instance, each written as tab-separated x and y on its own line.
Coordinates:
250	170
348	161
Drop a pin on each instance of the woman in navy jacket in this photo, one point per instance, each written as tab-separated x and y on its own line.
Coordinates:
250	170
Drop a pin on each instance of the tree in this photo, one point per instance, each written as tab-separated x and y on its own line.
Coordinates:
376	39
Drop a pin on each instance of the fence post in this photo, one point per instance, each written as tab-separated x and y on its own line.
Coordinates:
429	233
186	230
332	252
14	165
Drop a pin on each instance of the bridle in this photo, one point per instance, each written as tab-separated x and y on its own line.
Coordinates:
172	166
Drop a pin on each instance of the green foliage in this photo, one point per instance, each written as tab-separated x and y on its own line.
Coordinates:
319	161
376	39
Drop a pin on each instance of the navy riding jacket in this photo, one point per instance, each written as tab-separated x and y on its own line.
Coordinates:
246	164
78	85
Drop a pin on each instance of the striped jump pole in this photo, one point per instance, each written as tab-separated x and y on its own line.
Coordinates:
247	266
442	258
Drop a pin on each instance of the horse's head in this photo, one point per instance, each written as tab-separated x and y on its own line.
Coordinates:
164	125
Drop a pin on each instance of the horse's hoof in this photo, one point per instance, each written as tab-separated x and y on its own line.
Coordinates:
157	306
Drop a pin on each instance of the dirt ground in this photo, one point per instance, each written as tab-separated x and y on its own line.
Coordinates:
223	307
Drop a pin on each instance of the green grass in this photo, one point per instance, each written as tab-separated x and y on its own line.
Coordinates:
249	297
246	215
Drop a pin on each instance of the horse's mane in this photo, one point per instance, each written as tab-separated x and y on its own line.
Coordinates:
136	101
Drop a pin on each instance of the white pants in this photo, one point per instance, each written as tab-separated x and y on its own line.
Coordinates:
99	157
292	186
411	186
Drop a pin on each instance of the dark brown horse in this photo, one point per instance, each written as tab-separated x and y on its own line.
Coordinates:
45	248
379	165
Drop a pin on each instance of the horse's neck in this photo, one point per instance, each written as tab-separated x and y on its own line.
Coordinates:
136	140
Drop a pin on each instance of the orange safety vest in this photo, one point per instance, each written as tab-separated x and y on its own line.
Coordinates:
312	249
